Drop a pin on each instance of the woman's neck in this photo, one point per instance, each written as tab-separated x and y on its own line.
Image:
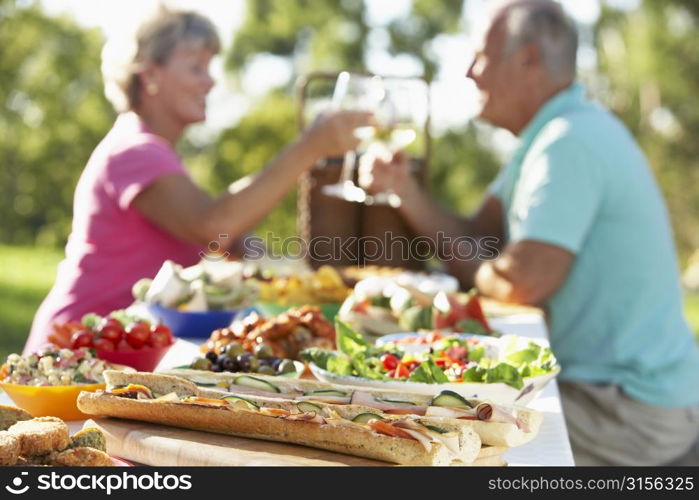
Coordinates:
160	123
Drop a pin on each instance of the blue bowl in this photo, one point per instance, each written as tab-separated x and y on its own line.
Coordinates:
195	324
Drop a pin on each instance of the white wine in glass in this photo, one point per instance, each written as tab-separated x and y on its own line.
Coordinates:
357	93
401	118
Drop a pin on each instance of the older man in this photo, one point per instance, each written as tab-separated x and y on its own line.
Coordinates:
585	234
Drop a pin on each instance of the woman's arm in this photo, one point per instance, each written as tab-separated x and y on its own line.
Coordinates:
176	204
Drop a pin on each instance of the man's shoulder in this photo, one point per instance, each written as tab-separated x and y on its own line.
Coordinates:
589	130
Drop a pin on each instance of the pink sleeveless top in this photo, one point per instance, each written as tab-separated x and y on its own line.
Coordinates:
112	245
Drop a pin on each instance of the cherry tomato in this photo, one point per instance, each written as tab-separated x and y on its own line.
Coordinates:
160	336
81	338
123	345
457	352
441	362
401	371
110	329
391	374
389	361
103	344
412	365
137	334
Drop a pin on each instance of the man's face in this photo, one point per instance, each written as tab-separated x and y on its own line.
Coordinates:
497	76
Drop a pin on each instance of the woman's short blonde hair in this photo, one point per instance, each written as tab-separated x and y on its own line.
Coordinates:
153	41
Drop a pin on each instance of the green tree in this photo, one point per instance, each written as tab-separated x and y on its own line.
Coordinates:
53	115
327	35
649	59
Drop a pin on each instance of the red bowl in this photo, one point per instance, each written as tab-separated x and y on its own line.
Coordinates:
143	360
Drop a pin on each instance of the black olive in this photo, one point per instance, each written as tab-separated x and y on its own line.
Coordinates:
274	362
216	368
211	356
244	362
229	364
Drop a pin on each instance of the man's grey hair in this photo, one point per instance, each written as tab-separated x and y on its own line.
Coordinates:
544	23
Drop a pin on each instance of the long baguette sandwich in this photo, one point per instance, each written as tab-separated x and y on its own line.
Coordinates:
497	425
171	400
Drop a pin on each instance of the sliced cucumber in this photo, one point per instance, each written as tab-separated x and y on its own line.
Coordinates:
242	402
307	407
436	429
397	401
364	418
327	392
256	383
450	399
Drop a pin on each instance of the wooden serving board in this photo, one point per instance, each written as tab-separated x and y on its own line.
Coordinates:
159	445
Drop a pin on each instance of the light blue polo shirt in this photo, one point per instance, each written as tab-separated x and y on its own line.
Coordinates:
579	181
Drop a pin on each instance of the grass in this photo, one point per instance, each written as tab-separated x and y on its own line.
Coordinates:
26	276
27	273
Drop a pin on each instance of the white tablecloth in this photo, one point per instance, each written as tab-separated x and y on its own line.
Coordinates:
550	448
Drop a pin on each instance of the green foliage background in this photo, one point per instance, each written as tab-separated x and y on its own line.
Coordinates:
53	113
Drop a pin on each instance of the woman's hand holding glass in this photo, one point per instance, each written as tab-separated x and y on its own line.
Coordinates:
332	133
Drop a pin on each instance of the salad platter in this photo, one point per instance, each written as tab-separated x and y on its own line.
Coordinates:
507	370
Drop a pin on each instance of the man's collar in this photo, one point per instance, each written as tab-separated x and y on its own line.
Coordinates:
552	108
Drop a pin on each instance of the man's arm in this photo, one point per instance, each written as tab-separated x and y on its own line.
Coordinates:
461	242
528	272
428	218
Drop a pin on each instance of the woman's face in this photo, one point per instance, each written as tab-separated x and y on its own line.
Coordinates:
183	83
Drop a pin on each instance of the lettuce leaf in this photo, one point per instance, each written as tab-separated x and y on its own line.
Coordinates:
349	341
367	366
504	372
429	373
339	365
474	374
317	356
528	355
477	353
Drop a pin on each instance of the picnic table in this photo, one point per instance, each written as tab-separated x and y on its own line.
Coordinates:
550	448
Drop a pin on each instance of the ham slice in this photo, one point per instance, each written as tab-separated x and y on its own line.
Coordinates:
450	412
307	417
496	413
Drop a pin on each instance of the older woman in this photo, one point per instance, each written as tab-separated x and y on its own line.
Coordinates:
135	205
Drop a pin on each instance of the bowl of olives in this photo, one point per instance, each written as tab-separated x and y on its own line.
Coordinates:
234	358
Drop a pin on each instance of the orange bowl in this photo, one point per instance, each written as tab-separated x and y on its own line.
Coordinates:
50	401
53	400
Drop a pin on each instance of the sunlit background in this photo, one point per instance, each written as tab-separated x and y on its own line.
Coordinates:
453	97
638	57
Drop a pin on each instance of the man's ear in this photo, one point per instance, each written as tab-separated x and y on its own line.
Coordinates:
530	55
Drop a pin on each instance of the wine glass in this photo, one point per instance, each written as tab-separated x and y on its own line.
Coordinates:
401	118
358	93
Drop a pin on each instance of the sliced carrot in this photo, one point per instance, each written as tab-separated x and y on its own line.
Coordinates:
386	428
277	411
206	401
